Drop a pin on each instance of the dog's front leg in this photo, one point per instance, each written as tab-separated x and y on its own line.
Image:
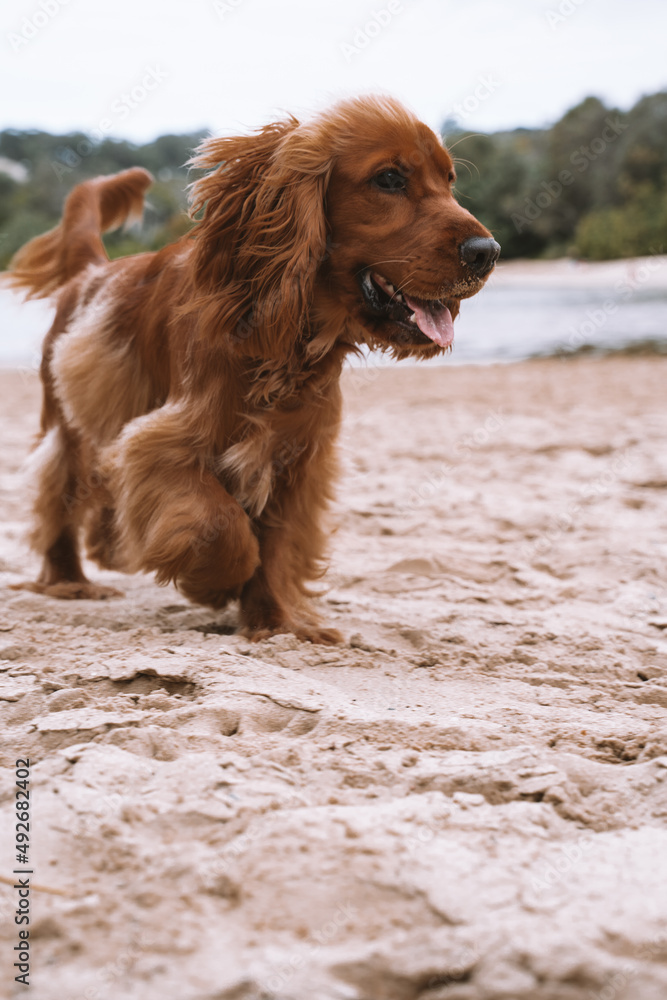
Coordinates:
271	603
173	516
292	546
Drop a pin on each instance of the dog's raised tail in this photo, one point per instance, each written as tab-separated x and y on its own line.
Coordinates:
47	262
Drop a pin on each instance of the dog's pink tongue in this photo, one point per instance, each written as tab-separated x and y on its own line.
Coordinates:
436	322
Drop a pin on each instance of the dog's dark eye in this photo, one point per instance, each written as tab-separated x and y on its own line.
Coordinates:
390	180
451	177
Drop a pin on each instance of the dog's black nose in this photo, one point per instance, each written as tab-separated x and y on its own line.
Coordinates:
480	254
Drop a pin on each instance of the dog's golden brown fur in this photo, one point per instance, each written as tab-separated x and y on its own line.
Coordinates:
191	396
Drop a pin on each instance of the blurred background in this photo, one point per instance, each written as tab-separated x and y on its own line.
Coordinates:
555	110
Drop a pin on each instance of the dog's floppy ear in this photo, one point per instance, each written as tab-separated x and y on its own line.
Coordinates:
261	237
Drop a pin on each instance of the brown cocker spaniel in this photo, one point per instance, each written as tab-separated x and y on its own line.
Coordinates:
191	396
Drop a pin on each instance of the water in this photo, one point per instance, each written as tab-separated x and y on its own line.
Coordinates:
22	329
529	309
510	324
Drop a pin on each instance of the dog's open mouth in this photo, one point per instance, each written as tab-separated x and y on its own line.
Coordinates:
430	317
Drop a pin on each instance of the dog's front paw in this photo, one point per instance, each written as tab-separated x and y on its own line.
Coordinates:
320	636
70	590
305	633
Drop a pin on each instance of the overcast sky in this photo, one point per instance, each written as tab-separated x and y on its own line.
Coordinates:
139	68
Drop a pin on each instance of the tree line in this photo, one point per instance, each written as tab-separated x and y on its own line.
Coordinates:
592	186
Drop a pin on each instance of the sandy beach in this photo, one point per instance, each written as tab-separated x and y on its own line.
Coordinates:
466	801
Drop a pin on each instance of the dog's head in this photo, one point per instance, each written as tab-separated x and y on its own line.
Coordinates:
343	227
